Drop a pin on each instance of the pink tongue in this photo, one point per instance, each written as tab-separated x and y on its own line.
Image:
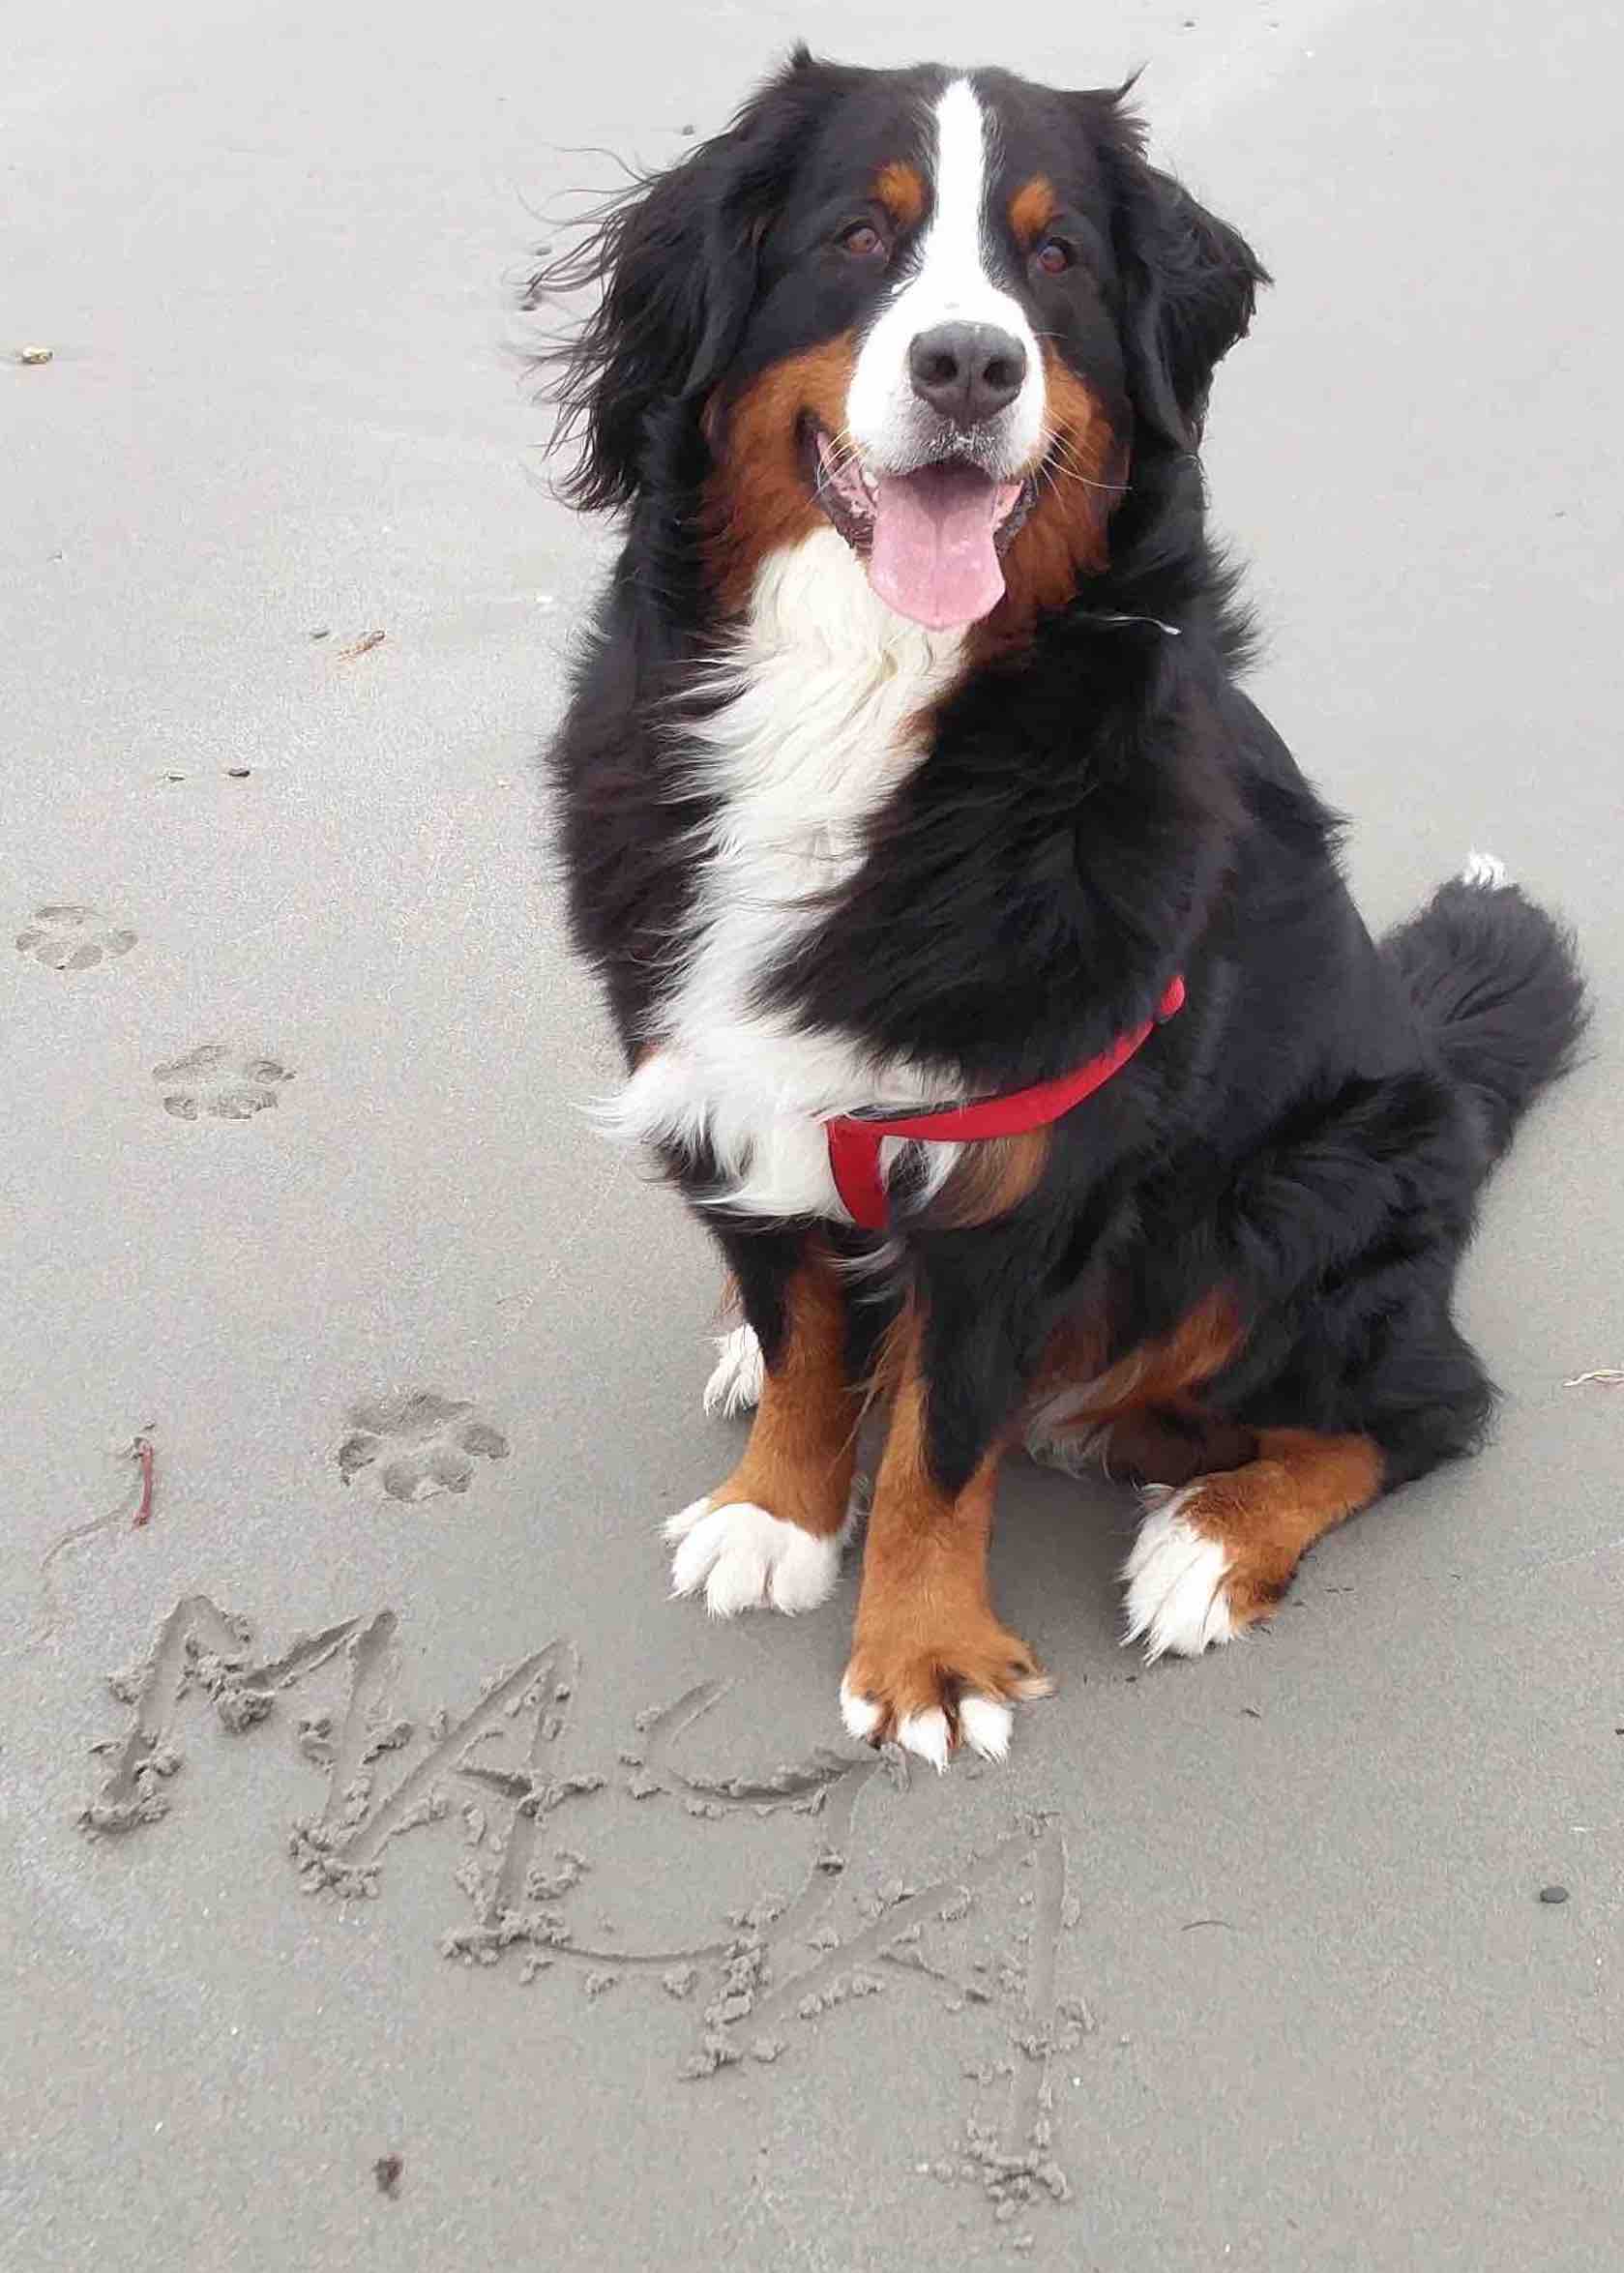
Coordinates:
934	555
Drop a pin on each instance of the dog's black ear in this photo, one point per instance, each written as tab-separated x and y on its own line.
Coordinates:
675	260
671	301
1189	281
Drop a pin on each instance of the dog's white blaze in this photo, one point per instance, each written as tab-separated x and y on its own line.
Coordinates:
825	685
950	283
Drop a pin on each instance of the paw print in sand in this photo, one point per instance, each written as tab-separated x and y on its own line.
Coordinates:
222	1082
418	1445
72	938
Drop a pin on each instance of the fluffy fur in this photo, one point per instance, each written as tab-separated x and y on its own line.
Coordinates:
825	859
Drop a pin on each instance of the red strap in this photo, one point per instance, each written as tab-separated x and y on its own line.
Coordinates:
854	1144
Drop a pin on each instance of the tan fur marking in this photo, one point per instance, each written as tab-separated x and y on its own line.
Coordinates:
990	1177
1032	208
925	1632
1267	1514
1066	535
803	1443
1199	1346
758	499
900	190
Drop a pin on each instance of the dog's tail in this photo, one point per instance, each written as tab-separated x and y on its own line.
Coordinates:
1496	982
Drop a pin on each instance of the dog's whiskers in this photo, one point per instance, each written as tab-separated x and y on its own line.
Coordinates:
841	451
1063	462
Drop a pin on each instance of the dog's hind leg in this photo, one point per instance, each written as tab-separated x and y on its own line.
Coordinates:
1217	1555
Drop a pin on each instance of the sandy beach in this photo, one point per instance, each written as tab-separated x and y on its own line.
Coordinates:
316	1264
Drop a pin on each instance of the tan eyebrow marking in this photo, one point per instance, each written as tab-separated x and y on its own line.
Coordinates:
900	190
1032	208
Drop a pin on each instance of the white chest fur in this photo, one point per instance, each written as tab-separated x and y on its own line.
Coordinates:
826	685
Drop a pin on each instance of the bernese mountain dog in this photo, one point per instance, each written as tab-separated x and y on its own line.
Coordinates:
985	978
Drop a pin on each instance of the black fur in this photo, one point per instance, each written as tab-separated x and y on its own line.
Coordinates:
1095	812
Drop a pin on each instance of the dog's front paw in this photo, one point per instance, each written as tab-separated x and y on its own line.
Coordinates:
745	1558
932	1695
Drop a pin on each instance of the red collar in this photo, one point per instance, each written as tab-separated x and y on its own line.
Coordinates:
854	1143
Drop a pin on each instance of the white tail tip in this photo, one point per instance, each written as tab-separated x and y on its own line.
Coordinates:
1486	872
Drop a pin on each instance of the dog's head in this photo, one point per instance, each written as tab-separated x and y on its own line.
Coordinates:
945	313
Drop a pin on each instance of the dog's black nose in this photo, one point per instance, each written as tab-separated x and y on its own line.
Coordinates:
968	372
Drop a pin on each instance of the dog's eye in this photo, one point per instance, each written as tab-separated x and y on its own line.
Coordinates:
863	241
1052	256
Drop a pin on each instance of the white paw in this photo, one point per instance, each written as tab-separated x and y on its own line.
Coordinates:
747	1559
1483	869
925	1736
1176	1597
860	1714
984	1724
735	1382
